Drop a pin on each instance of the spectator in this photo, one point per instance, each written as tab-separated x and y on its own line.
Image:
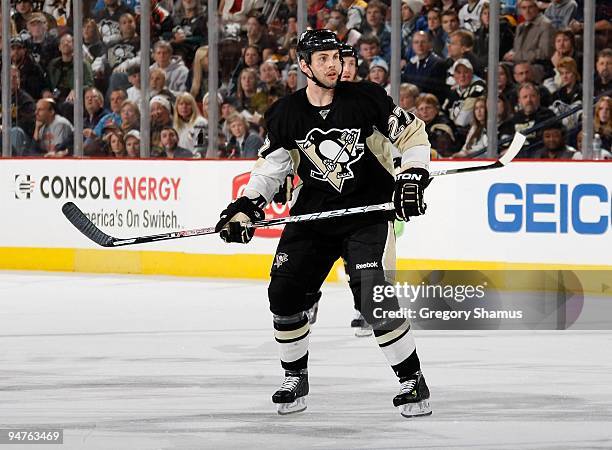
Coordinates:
379	73
476	141
523	73
161	117
94	111
408	94
436	32
243	142
61	72
505	115
124	53
316	13
237	10
603	121
570	93
425	69
113	118
469	15
130	116
460	103
369	47
249	98
257	34
250	58
189	31
174	68
564	46
133	92
115	144
170	147
460	47
448	5
157	84
269	77
189	124
530	113
603	67
450	24
132	144
439	128
554	146
199	83
43	47
534	38
108	20
355	11
92	40
481	37
561	12
411	9
376	11
292	75
51	130
23	8
22	116
337	23
505	83
32	75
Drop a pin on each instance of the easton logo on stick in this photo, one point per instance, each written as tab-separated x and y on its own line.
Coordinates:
332	152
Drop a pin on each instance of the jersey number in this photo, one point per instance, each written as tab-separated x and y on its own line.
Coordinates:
398	121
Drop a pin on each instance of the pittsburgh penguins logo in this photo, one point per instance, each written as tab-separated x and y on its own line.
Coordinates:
332	152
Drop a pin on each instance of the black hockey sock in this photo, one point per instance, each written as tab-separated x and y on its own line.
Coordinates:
397	343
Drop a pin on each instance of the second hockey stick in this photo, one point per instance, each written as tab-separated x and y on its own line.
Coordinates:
85	226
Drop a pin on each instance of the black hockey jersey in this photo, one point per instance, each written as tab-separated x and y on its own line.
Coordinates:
340	152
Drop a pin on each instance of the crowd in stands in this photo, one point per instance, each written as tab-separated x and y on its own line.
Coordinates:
444	52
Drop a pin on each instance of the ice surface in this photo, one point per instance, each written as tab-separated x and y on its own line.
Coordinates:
130	362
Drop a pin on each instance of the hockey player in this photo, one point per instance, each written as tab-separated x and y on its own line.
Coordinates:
327	133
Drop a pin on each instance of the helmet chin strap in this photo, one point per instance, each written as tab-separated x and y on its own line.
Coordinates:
316	80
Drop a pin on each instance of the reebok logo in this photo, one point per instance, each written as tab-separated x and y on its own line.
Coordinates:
368	265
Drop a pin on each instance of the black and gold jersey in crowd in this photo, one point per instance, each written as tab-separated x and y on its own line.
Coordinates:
340	152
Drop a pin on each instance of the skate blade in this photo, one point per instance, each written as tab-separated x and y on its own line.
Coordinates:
297	406
363	332
421	408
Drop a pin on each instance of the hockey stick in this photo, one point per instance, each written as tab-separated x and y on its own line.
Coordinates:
85	226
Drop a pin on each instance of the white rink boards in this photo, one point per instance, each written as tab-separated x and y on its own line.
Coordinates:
131	362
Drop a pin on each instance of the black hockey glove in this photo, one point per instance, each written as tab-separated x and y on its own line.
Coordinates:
283	196
408	194
236	216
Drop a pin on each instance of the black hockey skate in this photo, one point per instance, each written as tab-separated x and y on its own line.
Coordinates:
413	398
362	328
291	396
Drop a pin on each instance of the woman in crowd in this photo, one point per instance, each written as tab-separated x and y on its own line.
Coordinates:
476	140
115	144
130	116
565	46
199	83
248	96
438	127
505	113
292	79
603	121
505	82
132	144
481	37
189	124
570	93
243	142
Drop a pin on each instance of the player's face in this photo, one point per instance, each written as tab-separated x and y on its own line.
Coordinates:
349	71
325	66
463	76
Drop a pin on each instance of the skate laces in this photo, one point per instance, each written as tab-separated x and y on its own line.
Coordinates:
290	383
409	384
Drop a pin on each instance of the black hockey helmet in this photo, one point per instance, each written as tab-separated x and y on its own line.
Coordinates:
348	51
316	41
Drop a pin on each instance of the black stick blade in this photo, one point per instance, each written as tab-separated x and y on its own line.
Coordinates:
84	225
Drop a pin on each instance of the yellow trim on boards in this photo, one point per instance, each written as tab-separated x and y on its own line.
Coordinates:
206	265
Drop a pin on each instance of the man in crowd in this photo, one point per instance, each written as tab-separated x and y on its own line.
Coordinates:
425	69
52	131
554	146
530	113
32	75
175	69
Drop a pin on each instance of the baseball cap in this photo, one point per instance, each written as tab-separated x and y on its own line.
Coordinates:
37	17
132	133
377	61
462	62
